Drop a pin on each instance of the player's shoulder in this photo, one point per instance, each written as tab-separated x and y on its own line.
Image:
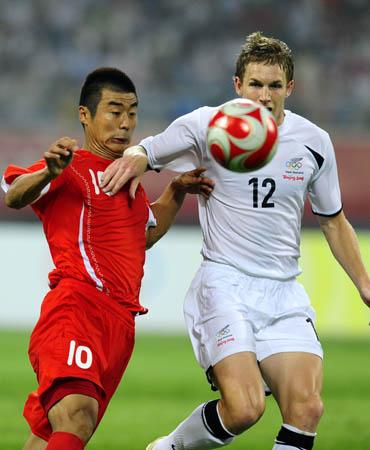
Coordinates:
196	121
302	125
305	131
201	114
81	154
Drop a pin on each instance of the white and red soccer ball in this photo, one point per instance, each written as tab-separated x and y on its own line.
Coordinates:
242	136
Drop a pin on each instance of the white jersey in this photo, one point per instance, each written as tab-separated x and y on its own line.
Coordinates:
252	221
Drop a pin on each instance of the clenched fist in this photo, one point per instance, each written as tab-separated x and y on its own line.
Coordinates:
60	155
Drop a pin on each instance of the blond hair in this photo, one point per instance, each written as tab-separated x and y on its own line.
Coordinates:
259	48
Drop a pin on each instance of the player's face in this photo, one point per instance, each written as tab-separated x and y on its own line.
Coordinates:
109	132
265	84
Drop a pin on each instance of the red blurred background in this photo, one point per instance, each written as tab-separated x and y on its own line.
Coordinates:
353	159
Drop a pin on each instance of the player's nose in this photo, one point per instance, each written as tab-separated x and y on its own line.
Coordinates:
265	95
124	121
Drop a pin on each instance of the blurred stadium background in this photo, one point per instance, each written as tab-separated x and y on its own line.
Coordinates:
181	56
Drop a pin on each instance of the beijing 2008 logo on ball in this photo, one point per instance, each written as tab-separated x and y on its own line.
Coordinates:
242	135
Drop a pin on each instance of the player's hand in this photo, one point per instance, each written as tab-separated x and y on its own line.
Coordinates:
131	166
365	294
193	182
60	155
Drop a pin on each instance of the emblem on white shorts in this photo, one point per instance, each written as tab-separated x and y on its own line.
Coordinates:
224	336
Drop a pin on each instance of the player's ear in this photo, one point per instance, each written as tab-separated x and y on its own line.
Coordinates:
84	115
238	86
289	88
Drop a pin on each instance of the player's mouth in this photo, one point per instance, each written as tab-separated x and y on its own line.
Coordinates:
269	107
120	141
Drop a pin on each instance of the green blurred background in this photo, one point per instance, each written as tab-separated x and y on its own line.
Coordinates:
163	384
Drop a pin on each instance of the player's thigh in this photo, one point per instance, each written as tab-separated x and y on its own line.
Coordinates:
239	381
35	443
295	378
215	315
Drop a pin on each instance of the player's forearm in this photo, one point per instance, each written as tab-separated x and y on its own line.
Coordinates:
344	245
27	188
165	210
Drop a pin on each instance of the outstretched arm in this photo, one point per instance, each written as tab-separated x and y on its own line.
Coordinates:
27	188
169	203
343	243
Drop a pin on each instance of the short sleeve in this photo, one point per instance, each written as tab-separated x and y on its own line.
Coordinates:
13	172
324	190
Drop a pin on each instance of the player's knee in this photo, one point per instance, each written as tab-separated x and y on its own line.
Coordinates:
242	417
314	407
307	410
246	418
83	422
78	417
79	421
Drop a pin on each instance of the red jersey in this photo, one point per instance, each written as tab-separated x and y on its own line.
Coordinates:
92	236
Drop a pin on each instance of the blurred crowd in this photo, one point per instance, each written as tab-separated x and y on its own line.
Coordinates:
180	54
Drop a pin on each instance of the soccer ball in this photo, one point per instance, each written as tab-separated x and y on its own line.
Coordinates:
242	135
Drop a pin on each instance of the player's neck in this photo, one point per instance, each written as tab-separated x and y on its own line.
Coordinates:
280	119
101	151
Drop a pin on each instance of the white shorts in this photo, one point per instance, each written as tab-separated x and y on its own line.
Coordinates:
227	312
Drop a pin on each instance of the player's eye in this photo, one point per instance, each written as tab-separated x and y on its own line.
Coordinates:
116	113
254	84
133	114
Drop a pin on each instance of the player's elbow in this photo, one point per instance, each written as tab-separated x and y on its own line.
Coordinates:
153	235
148	245
150	239
12	201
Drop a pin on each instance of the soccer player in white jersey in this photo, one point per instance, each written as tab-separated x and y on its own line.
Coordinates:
249	319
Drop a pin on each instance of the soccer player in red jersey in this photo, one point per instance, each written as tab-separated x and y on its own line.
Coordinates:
84	338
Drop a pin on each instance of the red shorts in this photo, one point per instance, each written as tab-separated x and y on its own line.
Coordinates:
86	339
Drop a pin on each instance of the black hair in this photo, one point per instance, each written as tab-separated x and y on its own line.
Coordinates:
104	78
